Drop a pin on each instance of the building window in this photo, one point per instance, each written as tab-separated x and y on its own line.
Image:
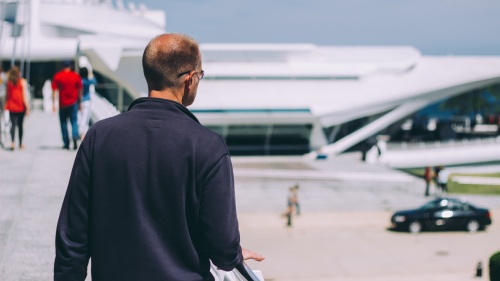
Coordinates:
277	139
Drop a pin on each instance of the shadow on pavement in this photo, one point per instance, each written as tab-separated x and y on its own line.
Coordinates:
50	147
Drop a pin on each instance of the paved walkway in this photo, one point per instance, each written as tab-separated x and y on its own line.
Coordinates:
340	236
32	185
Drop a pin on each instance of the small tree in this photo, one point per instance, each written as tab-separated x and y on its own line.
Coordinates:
495	267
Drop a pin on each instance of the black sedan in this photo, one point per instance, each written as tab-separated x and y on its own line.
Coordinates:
442	214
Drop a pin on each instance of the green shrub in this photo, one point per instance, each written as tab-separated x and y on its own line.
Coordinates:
495	267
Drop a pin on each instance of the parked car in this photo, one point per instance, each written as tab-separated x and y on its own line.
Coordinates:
442	214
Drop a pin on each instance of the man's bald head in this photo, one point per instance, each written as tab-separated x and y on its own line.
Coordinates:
165	57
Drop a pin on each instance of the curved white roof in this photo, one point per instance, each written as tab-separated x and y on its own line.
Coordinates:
334	84
51	29
431	78
96	19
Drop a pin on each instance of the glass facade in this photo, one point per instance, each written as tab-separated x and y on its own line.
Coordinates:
276	139
474	114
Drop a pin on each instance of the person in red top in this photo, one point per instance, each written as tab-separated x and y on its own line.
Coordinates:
428	176
16	103
69	85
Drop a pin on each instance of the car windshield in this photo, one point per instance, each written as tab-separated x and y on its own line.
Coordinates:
429	205
446	203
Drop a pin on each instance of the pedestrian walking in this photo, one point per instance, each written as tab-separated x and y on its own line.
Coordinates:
88	80
4	119
291	205
151	195
437	169
3	82
443	179
295	194
428	179
68	84
17	105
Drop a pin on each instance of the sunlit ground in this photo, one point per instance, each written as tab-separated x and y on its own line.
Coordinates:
340	235
350	245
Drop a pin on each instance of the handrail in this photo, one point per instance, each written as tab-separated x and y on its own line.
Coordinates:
322	175
441	144
101	108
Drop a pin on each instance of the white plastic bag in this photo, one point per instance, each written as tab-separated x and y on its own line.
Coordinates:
221	275
5	125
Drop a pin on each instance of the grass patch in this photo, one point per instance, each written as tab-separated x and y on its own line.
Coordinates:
416	172
494	175
455	187
458	188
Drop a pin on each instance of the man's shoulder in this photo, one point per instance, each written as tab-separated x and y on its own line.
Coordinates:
193	128
66	73
208	134
108	122
75	74
203	134
61	75
57	75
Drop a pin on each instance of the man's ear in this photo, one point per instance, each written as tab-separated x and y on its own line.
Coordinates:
188	83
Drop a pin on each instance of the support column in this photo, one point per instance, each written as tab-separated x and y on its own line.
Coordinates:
370	129
120	99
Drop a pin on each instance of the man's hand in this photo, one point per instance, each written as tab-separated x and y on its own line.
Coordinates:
54	107
251	255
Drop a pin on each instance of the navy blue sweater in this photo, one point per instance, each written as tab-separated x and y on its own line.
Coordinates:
151	197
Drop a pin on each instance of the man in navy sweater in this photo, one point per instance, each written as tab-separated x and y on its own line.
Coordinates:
151	194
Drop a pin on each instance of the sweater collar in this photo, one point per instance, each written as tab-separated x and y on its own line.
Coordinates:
161	104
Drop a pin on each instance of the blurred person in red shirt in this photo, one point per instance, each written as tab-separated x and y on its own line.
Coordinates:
16	103
69	85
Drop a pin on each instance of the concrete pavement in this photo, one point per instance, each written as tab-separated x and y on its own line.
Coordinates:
356	246
32	185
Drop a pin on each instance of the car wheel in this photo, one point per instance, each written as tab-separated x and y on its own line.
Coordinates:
414	227
473	226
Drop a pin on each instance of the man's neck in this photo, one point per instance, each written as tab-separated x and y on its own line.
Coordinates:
168	94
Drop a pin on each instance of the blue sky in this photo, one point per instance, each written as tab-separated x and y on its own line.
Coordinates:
435	27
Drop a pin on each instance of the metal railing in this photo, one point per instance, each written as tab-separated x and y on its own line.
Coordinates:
114	93
101	108
441	144
342	181
107	3
476	180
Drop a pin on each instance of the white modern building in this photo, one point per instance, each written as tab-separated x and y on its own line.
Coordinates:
266	99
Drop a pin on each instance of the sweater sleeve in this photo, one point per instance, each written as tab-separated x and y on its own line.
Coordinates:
219	223
72	238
